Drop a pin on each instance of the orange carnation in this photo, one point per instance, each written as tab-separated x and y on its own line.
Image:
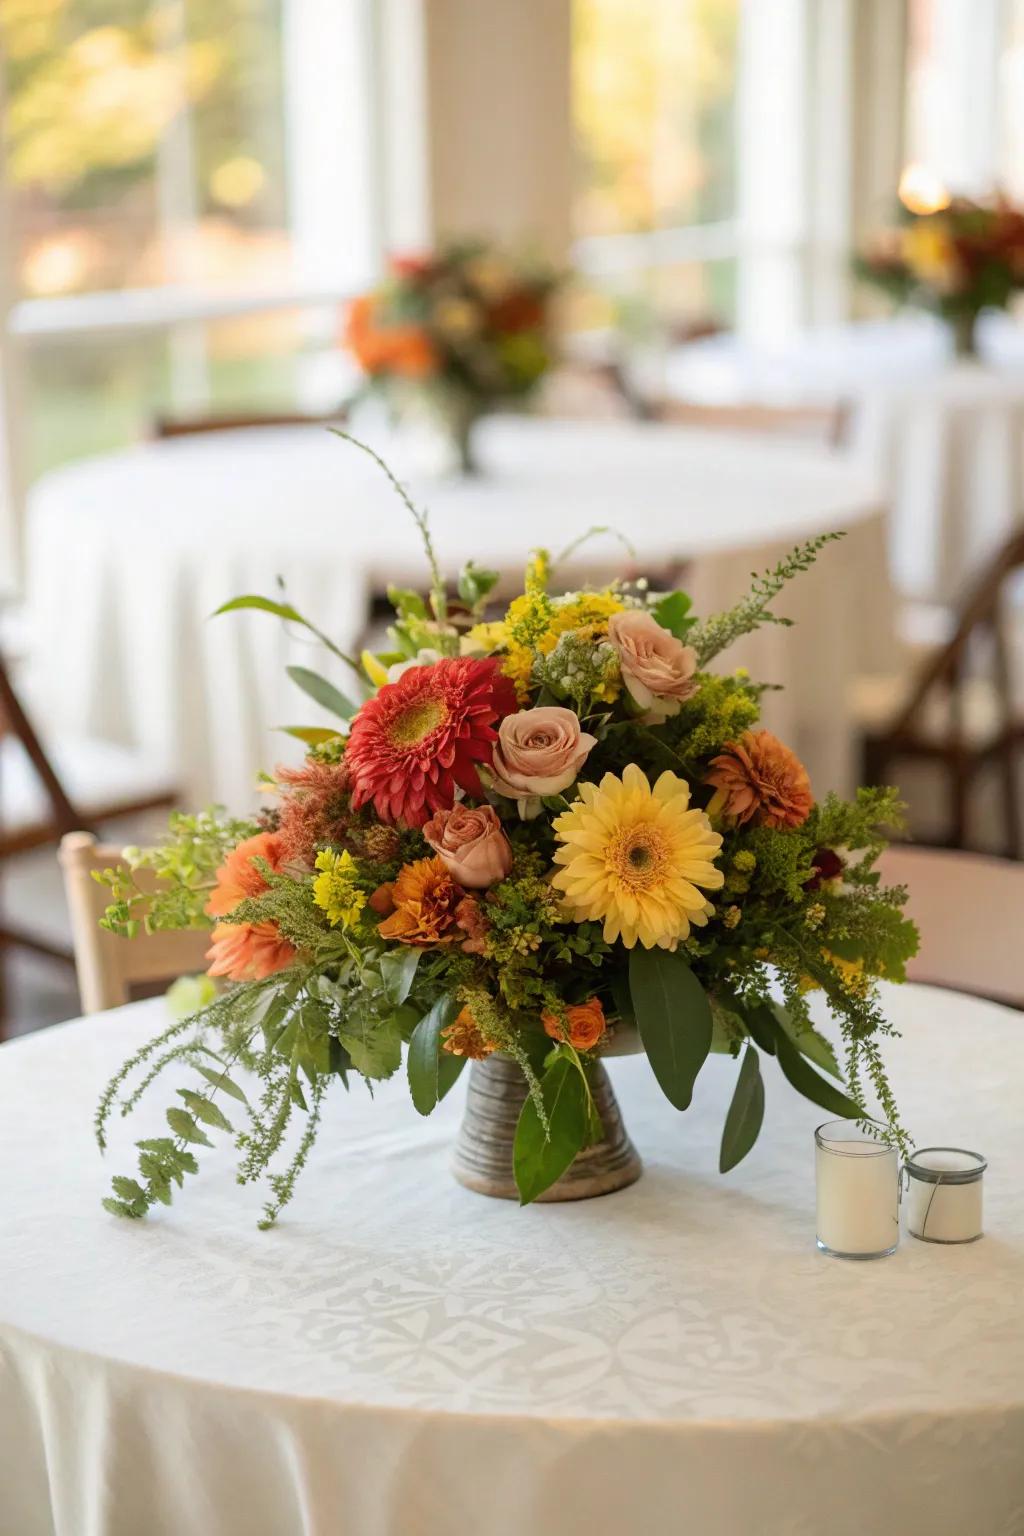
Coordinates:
463	1038
426	901
582	1025
759	780
246	951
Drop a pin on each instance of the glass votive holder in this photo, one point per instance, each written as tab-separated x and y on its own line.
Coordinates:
858	1192
944	1194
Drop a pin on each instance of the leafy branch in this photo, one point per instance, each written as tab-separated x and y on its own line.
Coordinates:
716	634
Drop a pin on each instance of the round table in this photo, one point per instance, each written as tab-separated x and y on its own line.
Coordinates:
402	1356
129	554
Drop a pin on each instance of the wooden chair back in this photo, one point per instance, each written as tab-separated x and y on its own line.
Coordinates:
110	969
970	910
192	426
945	679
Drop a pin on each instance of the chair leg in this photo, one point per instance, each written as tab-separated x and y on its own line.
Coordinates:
1010	766
959	799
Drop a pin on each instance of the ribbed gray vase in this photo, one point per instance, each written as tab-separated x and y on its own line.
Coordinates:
483	1151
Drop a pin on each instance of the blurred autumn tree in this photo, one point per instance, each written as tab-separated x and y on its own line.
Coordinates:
124	116
653	92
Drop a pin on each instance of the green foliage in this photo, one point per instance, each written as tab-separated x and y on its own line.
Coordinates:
672	612
715	635
184	866
542	1152
746	1112
673	1015
322	692
720	711
432	1070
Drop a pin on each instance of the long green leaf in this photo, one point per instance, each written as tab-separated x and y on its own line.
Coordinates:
322	692
806	1081
264	605
432	1071
539	1160
223	1083
812	1045
743	1122
184	1125
673	1016
205	1110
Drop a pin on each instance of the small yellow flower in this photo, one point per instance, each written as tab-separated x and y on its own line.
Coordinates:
335	889
484	639
636	857
731	917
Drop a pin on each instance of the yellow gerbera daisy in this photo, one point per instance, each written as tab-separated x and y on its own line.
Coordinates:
635	858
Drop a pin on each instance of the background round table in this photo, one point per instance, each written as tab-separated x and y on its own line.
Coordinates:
129	554
402	1356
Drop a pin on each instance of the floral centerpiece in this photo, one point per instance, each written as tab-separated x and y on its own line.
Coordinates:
533	837
464	329
955	260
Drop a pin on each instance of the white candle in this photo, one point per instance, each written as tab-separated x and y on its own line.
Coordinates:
857	1192
944	1195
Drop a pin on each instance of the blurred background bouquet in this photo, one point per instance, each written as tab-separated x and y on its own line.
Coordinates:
460	331
955	258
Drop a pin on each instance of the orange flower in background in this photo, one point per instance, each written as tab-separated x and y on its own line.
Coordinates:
425	899
463	1038
583	1024
759	780
246	951
403	349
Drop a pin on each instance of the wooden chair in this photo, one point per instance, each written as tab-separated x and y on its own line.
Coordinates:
46	792
112	970
192	426
826	424
970	910
960	717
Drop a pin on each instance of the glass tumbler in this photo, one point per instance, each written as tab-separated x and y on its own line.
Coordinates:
858	1192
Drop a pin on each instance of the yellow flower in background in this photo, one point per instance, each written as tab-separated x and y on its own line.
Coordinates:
930	253
484	638
535	623
456	318
335	889
637	859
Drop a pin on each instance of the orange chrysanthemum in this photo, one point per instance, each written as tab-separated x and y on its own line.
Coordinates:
583	1024
759	780
246	951
425	900
463	1037
424	734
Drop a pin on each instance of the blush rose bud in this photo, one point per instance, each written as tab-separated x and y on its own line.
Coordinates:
471	845
538	752
657	669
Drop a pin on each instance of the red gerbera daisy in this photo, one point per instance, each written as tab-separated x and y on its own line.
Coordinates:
423	735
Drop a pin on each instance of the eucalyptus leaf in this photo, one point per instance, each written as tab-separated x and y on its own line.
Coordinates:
322	692
432	1070
746	1112
673	1015
539	1160
806	1081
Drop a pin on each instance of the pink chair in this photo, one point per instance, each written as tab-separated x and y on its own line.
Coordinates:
970	910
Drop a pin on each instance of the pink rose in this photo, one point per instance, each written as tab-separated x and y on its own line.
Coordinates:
657	669
470	844
539	752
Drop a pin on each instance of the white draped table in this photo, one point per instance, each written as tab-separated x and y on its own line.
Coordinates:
129	555
401	1357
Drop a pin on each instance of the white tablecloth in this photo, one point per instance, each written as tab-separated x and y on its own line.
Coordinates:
950	451
129	554
404	1358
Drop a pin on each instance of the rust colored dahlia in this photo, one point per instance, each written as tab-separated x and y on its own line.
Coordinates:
463	1038
424	735
246	951
314	808
759	780
425	899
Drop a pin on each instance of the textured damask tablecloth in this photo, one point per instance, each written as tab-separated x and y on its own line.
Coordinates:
404	1358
